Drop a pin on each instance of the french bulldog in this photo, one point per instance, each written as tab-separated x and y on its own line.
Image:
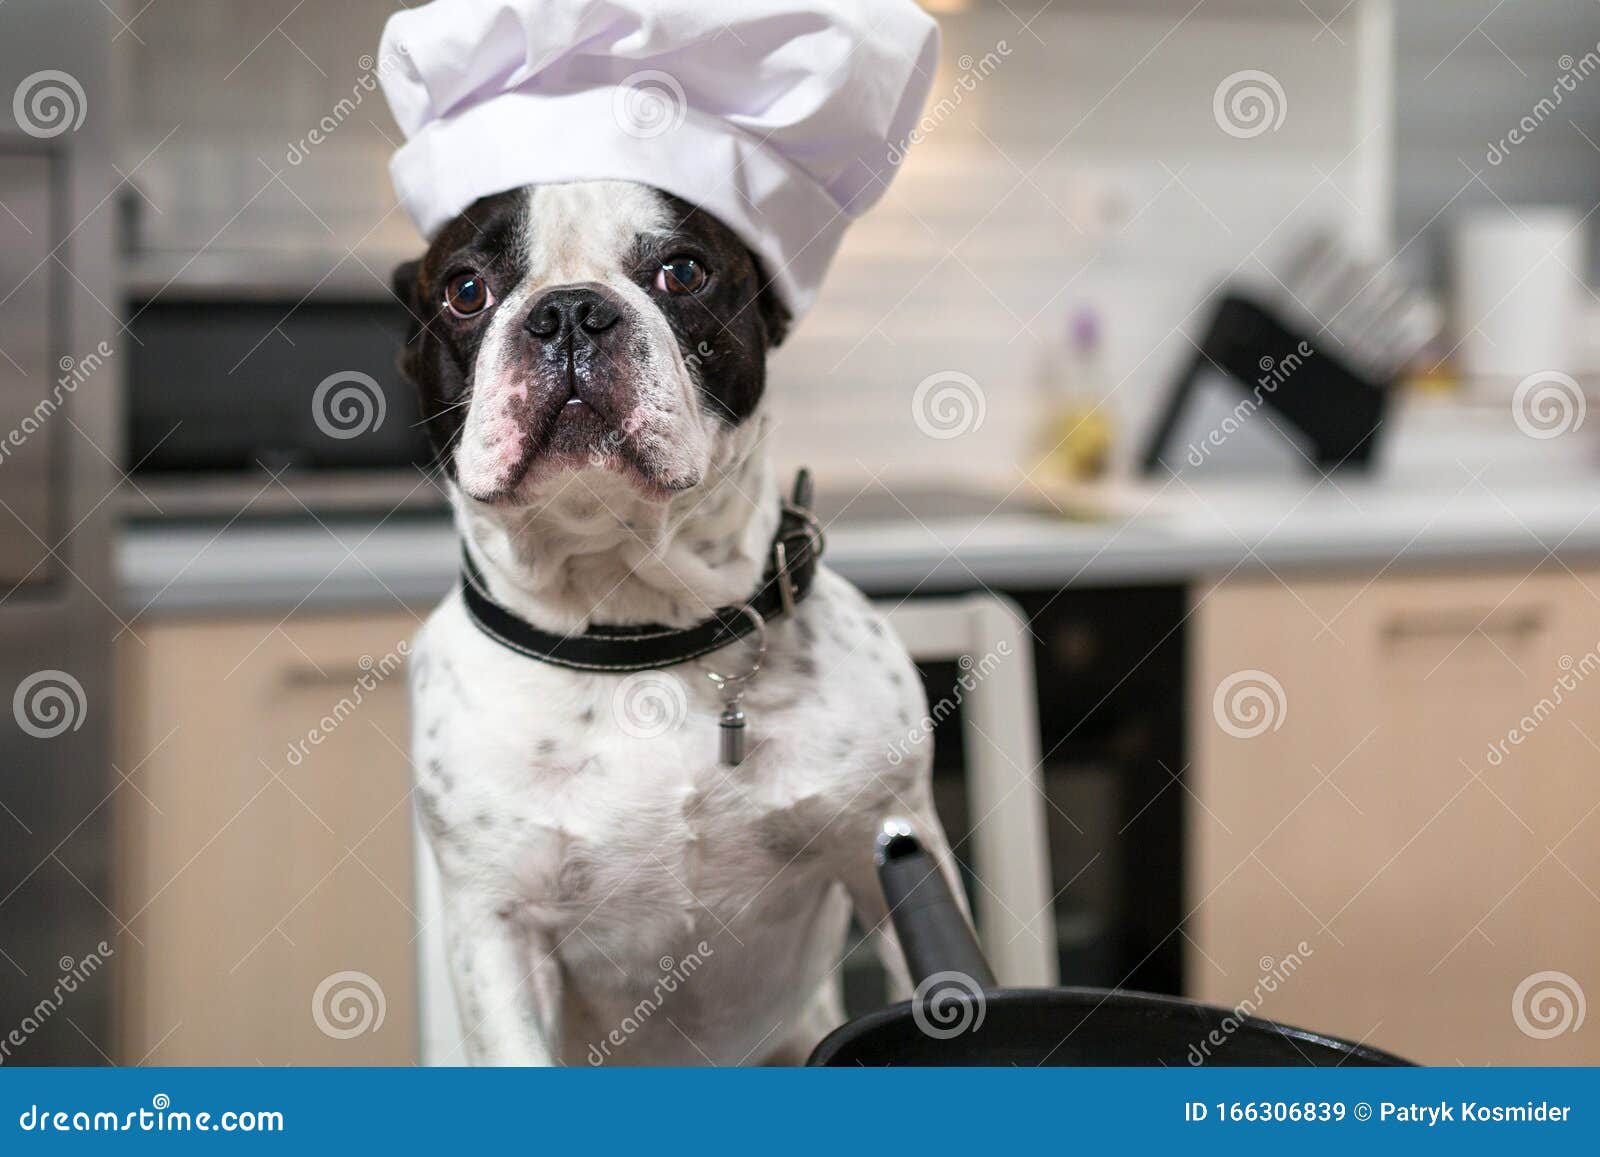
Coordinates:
591	359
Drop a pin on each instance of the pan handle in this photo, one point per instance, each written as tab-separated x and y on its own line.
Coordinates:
934	933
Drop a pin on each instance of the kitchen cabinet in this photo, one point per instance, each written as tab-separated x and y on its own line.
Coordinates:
265	860
1389	825
1394	826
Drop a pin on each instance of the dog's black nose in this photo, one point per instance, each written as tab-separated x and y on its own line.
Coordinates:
560	313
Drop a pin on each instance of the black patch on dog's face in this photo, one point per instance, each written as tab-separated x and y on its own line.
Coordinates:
726	329
438	359
723	331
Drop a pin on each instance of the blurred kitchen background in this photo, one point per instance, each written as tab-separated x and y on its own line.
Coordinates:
1377	215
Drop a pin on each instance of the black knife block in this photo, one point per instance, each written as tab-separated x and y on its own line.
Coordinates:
1339	411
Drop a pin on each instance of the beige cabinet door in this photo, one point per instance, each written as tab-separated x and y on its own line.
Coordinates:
265	860
1395	830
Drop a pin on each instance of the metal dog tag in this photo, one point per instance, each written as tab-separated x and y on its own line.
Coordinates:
733	733
731	723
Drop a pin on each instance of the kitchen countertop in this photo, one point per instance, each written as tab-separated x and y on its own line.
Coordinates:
1179	534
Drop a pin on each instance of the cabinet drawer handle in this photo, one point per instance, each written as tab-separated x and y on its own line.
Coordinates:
1411	626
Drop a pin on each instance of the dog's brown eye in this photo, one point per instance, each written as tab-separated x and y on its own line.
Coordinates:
681	275
467	294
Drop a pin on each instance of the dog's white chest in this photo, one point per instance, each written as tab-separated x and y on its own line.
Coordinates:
598	809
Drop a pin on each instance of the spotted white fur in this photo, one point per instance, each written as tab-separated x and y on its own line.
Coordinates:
590	845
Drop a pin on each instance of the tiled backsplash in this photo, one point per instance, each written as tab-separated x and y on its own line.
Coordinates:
223	97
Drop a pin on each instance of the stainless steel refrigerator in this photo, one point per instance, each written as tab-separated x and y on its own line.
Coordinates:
60	354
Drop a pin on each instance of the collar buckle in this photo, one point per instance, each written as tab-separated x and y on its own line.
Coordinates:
780	560
799	526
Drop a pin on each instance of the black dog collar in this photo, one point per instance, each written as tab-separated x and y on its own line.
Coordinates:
791	567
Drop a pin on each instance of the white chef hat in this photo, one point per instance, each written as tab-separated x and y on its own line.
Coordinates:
784	118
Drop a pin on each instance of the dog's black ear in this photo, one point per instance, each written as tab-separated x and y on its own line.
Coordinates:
404	284
775	316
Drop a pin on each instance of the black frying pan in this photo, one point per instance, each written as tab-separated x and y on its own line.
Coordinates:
962	1017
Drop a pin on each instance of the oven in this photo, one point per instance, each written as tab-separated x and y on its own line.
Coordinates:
1110	676
245	399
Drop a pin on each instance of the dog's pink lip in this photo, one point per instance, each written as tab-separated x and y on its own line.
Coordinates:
501	495
539	468
541	459
535	444
650	488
